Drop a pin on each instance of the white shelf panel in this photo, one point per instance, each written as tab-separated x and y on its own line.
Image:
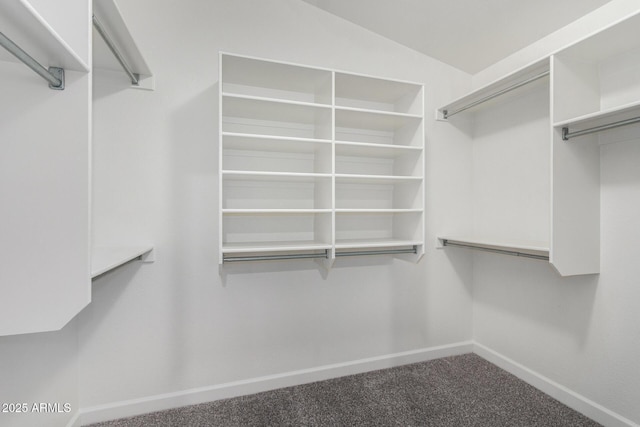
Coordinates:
104	259
273	176
21	23
600	118
274	211
345	148
374	243
375	179
490	89
373	120
377	211
265	103
524	247
252	142
276	246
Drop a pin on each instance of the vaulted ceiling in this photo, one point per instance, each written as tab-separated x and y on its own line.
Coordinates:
468	34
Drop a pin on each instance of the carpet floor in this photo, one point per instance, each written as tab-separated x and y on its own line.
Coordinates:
453	391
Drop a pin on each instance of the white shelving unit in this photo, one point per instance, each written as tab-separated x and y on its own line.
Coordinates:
318	162
594	87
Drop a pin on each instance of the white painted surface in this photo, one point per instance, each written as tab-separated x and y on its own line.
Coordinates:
582	332
40	368
44	188
176	325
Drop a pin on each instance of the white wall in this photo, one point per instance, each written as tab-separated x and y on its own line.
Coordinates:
40	368
176	324
581	332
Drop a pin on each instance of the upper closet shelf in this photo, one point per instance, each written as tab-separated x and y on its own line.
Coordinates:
22	24
599	121
524	77
120	52
105	259
536	250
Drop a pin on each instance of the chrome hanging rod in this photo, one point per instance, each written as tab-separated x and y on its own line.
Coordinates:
135	78
275	257
412	250
566	134
54	75
446	242
446	113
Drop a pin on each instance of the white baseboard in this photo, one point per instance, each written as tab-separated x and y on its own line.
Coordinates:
194	396
559	392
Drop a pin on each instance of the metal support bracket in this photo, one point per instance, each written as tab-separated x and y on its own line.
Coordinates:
59	74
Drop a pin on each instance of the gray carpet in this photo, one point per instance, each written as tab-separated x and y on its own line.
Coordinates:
453	391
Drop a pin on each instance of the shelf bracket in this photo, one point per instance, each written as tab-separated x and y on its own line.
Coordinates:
54	75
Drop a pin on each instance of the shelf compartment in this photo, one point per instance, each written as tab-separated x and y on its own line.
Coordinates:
535	250
262	116
373	127
375	194
375	229
262	191
276	232
105	259
370	161
372	93
505	88
252	153
251	76
21	23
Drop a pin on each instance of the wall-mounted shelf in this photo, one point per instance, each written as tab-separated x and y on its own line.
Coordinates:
20	22
309	165
113	24
535	250
608	118
106	259
499	90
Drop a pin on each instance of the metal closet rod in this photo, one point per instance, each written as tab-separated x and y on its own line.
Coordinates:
566	135
446	113
446	242
412	250
54	75
135	78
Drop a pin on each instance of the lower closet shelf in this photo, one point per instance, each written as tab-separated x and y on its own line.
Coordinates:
535	250
105	259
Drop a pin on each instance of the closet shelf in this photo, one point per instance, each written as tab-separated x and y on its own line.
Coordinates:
21	23
521	78
601	118
270	109
274	246
271	99
274	211
377	211
253	142
110	18
373	120
374	243
347	148
105	259
376	179
273	176
528	249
